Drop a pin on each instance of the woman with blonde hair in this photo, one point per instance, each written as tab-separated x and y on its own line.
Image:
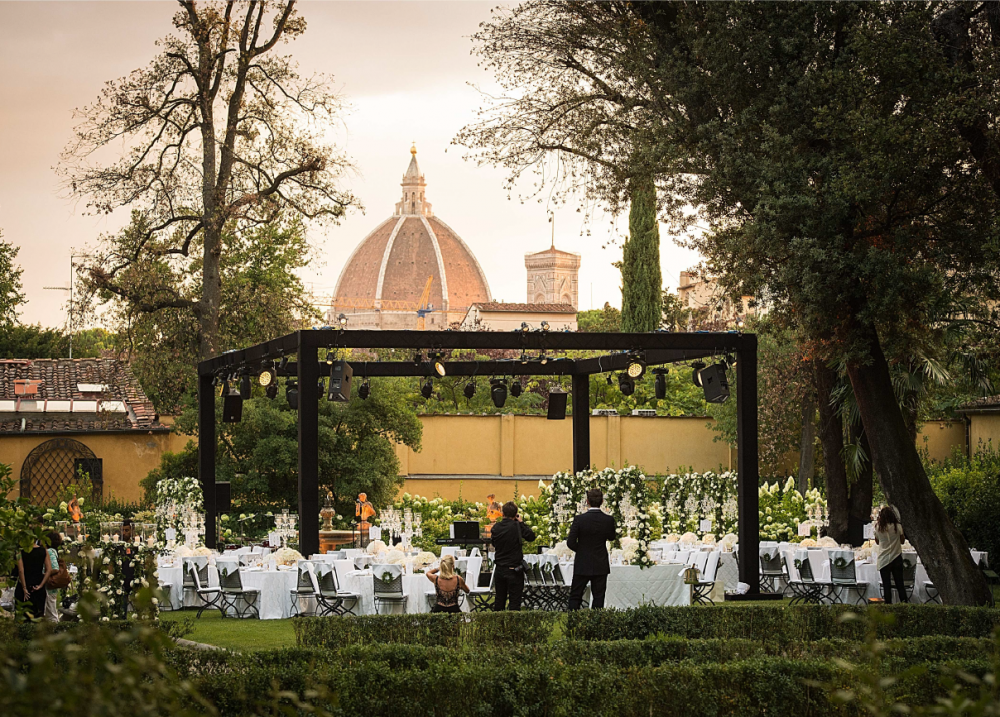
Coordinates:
446	585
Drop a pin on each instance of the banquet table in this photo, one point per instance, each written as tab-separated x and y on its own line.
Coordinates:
631	586
275	586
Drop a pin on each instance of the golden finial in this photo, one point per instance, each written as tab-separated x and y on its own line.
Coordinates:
413	149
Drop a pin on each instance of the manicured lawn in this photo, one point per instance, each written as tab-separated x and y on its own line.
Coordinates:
235	634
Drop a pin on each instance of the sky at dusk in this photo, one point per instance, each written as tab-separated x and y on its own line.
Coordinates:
407	75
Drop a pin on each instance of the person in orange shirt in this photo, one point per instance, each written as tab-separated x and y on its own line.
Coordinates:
494	512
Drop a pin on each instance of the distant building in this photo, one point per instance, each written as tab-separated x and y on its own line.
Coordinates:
497	316
709	307
60	416
411	266
553	277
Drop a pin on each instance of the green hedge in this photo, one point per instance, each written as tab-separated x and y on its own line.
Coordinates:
777	623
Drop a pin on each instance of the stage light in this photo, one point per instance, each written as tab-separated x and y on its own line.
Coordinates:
439	368
625	384
283	364
245	389
272	391
364	391
427	389
739	324
715	383
515	387
342	319
268	375
696	369
224	391
330	356
418	358
524	357
660	386
292	394
609	380
470	389
545	326
636	368
543	358
524	327
498	392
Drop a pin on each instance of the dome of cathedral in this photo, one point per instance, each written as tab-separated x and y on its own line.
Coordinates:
383	281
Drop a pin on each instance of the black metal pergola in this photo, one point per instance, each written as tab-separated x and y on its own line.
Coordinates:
654	348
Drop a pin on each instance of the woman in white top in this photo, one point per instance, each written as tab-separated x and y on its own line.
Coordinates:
889	537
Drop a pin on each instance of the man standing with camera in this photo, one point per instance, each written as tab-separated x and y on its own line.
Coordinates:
508	578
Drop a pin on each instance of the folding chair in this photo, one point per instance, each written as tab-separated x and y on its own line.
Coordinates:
806	589
771	570
909	574
305	588
702	589
388	586
330	599
843	576
208	596
481	598
233	593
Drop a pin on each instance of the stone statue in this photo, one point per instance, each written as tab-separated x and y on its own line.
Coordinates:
364	510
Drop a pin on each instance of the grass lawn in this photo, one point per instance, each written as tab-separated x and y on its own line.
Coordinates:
235	634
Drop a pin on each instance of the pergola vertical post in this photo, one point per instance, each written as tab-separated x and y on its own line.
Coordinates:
746	437
308	365
581	422
206	452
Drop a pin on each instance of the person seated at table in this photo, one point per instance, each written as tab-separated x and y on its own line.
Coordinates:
446	585
889	538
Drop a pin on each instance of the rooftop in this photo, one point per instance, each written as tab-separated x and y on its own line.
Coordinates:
527	308
986	404
73	395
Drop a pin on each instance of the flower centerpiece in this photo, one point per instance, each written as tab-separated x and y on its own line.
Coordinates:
286	556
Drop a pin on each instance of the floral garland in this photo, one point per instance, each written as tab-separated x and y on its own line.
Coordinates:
173	495
567	493
105	576
688	498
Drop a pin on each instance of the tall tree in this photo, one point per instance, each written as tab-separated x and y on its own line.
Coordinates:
814	139
221	134
642	284
11	291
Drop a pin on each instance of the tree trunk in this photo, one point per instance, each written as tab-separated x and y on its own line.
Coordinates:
943	549
807	443
860	510
831	435
211	294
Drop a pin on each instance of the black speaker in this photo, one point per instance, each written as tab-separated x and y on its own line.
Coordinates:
557	404
232	408
715	383
340	382
223	498
465	529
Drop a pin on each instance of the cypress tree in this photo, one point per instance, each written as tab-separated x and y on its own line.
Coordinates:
642	282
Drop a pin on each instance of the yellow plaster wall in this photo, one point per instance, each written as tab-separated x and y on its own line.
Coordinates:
126	457
940	438
984	431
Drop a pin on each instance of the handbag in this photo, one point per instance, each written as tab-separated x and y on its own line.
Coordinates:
691	576
62	578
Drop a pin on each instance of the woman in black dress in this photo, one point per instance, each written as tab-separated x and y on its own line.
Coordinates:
30	571
446	584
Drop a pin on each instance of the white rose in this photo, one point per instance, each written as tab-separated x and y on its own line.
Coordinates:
155	601
104	619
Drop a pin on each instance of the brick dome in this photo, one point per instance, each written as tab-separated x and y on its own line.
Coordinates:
381	284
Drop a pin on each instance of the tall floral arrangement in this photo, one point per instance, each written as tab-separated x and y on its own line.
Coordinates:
103	574
626	497
688	498
781	509
173	496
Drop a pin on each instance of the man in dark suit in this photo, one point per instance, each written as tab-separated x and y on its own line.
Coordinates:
587	538
508	578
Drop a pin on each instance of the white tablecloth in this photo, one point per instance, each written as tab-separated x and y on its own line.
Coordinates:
632	586
274	601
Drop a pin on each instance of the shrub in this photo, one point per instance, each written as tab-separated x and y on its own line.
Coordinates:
969	490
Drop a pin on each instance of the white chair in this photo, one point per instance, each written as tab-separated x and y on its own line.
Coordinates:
449	550
481	599
801	581
682	556
475	553
701	592
330	597
201	565
209	596
306	587
388	585
771	570
843	576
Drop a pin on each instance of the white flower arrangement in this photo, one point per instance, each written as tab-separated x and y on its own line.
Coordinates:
672	538
375	547
827	542
728	542
688	539
286	556
424	558
708	539
808	543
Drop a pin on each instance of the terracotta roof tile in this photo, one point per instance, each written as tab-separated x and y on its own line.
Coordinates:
988	403
60	380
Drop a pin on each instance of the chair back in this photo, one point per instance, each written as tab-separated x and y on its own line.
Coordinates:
462	568
304	583
227	564
201	564
449	550
909	568
474	553
700	560
711	567
328	585
388	580
803	566
337	555
362	561
230	580
770	561
842	567
682	556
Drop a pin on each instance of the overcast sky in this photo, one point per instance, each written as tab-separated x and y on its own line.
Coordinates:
405	69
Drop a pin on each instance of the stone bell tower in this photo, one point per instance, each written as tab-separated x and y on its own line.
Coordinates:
553	276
